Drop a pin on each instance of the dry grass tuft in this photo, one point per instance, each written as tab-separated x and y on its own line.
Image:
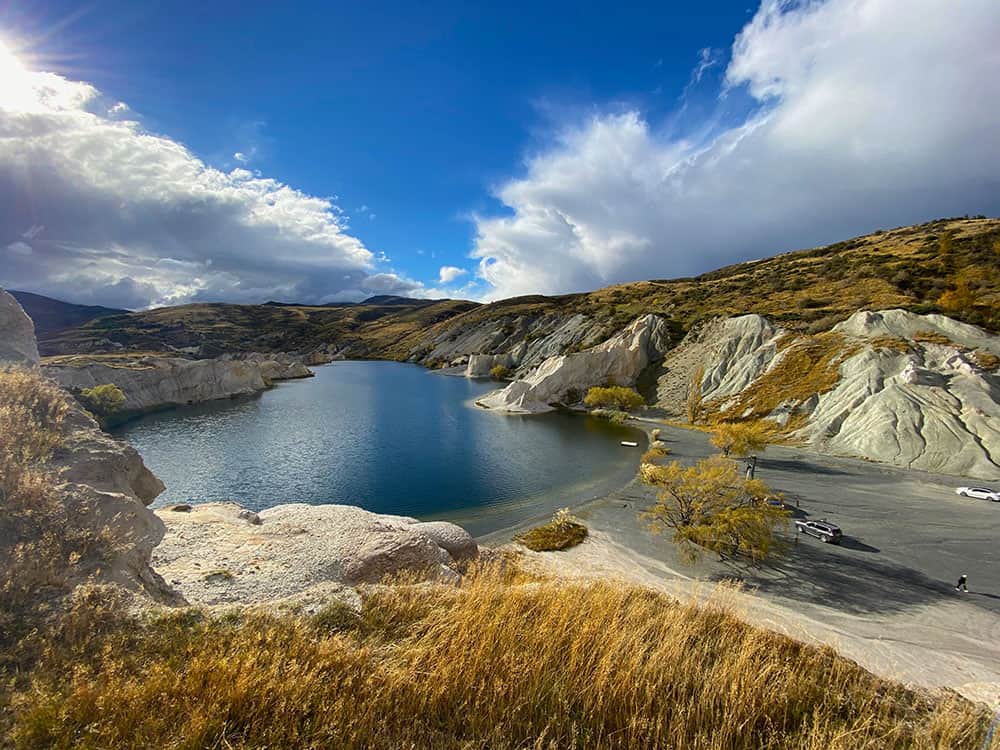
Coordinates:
891	343
562	532
932	337
986	360
488	665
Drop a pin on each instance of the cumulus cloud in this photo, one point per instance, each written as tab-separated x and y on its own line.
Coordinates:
867	114
94	208
448	274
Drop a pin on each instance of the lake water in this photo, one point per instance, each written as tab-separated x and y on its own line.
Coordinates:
392	438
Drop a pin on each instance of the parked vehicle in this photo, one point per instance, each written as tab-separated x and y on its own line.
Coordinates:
822	530
980	493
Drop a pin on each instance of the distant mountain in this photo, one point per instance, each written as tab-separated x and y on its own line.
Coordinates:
947	266
51	315
391	299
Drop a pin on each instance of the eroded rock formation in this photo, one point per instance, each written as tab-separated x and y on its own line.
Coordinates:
619	361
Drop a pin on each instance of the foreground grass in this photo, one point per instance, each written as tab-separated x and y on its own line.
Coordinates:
493	664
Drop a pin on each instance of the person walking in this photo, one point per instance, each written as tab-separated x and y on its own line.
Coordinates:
961	585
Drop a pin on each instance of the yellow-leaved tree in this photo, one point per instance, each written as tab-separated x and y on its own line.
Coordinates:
709	506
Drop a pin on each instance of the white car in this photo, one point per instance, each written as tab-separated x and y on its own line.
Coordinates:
980	493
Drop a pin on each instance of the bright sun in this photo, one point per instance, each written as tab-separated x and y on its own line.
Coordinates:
15	80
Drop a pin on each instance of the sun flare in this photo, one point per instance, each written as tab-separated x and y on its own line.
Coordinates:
16	89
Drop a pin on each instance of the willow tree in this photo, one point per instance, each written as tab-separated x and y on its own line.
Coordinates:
709	506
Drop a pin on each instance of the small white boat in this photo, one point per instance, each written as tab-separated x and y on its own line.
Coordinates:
629	444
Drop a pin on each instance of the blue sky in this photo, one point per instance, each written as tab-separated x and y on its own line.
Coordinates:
554	142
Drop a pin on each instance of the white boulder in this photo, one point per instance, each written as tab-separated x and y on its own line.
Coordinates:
215	557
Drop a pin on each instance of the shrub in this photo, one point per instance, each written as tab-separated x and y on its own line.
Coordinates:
709	506
102	400
500	372
614	396
656	451
562	532
612	415
742	438
695	397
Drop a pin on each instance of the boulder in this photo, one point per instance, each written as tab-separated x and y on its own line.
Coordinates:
17	333
456	540
298	547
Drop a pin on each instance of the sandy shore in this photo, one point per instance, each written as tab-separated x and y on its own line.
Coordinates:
920	633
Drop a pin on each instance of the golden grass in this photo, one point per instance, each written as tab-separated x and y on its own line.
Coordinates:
809	365
891	343
932	337
986	360
492	664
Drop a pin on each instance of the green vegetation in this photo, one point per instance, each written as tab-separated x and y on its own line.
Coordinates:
562	532
614	396
500	372
708	506
102	400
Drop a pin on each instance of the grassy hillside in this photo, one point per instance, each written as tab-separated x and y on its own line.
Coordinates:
497	663
51	315
950	266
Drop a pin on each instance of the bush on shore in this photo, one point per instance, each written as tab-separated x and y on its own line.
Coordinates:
102	400
562	532
614	396
500	372
612	415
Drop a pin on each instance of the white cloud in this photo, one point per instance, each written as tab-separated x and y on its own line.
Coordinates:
115	214
869	113
448	274
241	157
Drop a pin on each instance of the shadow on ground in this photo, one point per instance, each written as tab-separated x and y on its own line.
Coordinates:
812	572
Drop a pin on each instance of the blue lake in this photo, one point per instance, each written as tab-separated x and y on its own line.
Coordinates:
392	438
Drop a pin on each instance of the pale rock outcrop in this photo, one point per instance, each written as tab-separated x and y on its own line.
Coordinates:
275	366
102	485
105	488
527	339
159	382
618	360
17	333
907	325
155	382
734	352
923	405
480	365
929	408
215	557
